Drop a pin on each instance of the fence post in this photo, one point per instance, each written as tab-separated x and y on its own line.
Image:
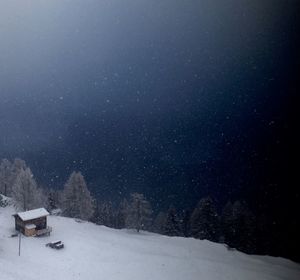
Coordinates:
20	243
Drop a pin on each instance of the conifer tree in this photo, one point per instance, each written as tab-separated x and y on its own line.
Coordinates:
186	223
122	214
95	217
244	223
238	226
228	227
104	214
53	199
263	234
159	222
77	201
6	177
139	213
205	221
172	224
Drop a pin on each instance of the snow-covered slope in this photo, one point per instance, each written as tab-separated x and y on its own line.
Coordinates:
96	252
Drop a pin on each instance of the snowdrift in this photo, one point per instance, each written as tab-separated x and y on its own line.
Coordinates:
95	252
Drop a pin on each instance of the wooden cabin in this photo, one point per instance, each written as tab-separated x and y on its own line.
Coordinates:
33	222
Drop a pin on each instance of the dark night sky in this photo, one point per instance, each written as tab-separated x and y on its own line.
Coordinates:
176	99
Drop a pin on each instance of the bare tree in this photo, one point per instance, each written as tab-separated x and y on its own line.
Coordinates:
139	212
25	192
9	173
77	201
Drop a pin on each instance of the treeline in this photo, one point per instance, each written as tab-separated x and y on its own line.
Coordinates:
235	225
18	182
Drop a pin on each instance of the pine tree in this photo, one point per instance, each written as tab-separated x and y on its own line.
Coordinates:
186	223
25	192
244	223
159	222
139	213
122	214
263	234
228	227
172	223
104	214
205	221
77	200
53	199
95	217
6	177
238	226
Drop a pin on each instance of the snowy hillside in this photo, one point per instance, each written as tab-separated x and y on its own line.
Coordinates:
96	252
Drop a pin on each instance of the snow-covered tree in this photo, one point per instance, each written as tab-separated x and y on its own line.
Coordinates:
9	173
25	192
77	201
205	221
139	212
172	224
18	165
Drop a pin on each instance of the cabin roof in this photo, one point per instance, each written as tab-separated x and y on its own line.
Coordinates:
33	214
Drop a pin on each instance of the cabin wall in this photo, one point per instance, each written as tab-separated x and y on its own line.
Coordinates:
19	225
40	223
30	232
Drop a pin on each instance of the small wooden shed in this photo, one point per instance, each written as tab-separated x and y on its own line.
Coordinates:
33	222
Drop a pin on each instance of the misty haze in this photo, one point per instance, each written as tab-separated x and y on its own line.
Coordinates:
146	139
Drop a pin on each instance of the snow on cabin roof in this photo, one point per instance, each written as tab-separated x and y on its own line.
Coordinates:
33	214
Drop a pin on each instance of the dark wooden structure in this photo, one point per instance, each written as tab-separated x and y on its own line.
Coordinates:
33	222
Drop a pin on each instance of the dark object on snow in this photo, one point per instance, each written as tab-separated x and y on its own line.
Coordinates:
14	234
55	245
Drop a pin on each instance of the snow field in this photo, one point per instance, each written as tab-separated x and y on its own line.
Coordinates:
95	252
